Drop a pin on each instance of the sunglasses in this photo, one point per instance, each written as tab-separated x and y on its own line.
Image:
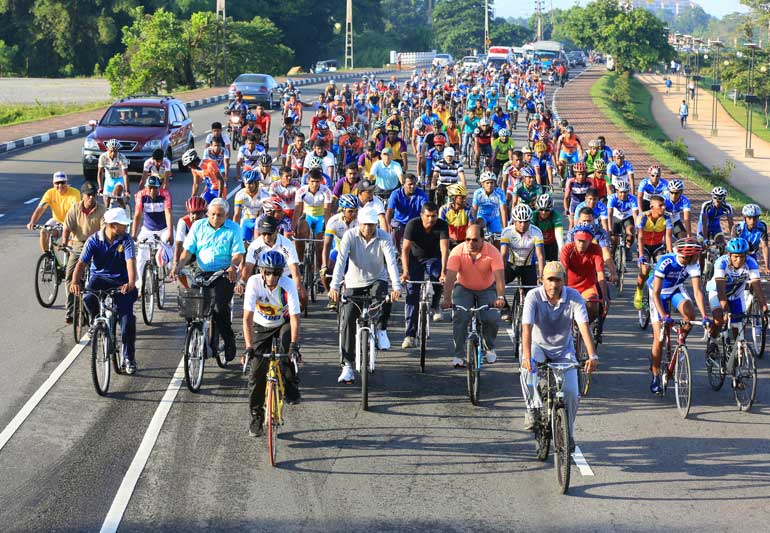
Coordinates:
270	272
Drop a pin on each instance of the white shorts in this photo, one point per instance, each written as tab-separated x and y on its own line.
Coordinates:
738	303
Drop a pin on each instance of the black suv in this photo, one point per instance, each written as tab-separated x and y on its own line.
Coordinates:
142	124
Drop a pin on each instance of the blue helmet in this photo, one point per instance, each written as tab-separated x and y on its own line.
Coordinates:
584	226
153	181
250	176
527	172
348	201
272	259
751	210
737	245
250	117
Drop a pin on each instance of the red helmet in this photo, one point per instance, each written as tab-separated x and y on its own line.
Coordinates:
274	203
688	247
195	204
579	167
439	139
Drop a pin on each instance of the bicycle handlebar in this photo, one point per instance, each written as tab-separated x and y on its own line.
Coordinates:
470	310
423	282
198	280
38	227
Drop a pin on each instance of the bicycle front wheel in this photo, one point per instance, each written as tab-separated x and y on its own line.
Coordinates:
148	294
472	366
682	381
422	328
758	326
271	419
745	386
644	312
364	369
101	348
194	362
561	448
518	309
584	378
46	280
620	264
715	366
79	319
160	288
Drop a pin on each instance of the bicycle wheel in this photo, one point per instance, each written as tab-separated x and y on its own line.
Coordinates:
194	362
561	453
644	312
682	380
422	330
117	357
518	309
271	419
306	280
213	340
542	431
620	266
46	280
79	319
160	288
715	366
584	378
472	366
101	348
148	293
745	387
758	326
364	369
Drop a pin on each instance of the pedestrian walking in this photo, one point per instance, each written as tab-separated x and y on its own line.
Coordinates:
668	86
684	110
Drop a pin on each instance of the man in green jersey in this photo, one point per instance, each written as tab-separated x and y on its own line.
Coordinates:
550	224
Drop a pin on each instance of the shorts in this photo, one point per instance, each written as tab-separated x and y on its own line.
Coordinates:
570	158
491	224
678	228
676	298
526	274
316	224
111	183
210	194
591	293
737	302
247	229
619	226
651	251
485	149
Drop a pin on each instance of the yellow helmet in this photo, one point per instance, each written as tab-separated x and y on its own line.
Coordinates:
540	147
457	190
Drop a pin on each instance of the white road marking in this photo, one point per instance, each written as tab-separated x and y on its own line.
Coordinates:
127	486
32	200
232	193
40	393
2	215
581	462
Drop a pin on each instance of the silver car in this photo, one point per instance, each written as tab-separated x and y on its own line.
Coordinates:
256	89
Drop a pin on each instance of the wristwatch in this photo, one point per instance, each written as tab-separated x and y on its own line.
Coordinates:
594	357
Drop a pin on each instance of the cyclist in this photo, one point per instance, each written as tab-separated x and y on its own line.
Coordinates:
196	210
348	183
111	253
434	148
653	235
336	227
285	189
296	154
286	137
456	213
755	232
549	221
322	158
575	190
219	154
447	171
152	217
601	237
273	206
521	245
592	155
652	185
206	173
238	105
667	290
248	205
404	204
312	208
711	213
502	150
216	131
396	144
366	198
483	143
569	149
547	324
368	158
599	208
622	211
269	300
598	180
248	155
263	122
620	169
60	198
474	277
488	204
216	243
678	207
112	173
425	251
542	162
158	164
366	260
387	174
470	123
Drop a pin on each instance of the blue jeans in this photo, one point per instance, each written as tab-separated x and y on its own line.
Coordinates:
417	270
125	310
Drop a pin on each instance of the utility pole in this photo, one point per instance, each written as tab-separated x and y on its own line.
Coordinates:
221	10
539	12
349	36
486	25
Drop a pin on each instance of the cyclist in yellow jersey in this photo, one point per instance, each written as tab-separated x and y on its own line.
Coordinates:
368	158
60	198
653	238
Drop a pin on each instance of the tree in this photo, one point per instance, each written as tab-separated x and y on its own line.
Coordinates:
7	54
458	25
506	33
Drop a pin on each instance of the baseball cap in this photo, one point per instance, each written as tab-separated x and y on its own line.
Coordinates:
526	150
116	215
59	177
367	216
553	269
583	236
88	188
449	151
365	185
387	150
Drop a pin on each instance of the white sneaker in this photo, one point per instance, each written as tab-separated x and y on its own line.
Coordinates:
347	374
382	340
490	356
409	342
458	363
437	317
529	420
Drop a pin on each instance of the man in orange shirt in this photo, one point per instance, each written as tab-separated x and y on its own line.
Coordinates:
477	268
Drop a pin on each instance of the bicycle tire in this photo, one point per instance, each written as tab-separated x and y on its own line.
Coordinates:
714	368
100	359
542	432
79	319
194	362
746	375
422	328
682	381
46	275
620	266
148	294
471	365
561	456
758	328
517	313
218	354
364	370
160	288
271	419
584	378
644	312
117	358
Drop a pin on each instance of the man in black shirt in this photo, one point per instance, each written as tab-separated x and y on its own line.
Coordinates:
425	249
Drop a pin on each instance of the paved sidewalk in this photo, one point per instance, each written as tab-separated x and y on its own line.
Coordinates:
751	175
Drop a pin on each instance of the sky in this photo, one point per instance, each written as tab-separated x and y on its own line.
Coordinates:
517	8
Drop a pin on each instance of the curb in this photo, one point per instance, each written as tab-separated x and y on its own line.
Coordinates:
77	131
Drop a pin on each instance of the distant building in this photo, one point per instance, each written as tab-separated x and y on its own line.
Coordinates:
674	6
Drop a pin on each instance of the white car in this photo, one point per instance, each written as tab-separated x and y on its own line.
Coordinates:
471	61
442	60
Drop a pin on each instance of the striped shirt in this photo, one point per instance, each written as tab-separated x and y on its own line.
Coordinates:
448	172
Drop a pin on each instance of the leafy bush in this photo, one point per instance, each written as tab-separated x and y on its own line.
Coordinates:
723	172
678	148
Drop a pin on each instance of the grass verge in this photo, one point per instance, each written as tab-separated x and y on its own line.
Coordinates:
651	138
738	114
11	114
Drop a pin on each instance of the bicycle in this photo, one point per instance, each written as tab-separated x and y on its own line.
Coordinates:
310	278
714	251
105	345
423	316
737	358
153	281
676	365
619	253
517	309
643	314
196	306
124	200
50	269
475	346
552	422
79	313
758	322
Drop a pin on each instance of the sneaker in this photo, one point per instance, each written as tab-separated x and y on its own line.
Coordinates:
255	427
458	363
68	320
490	356
347	375
382	340
331	306
130	367
655	387
529	420
638	299
409	342
437	315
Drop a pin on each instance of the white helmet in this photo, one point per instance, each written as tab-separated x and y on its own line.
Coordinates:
521	213
487	176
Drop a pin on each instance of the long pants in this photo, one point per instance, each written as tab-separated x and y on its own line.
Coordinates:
417	270
489	317
350	313
143	251
530	380
223	294
125	309
70	269
263	343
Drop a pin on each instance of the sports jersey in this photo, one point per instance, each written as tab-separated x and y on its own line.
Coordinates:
488	205
622	208
404	207
499	121
271	308
297	157
473	99
484	137
219	158
600	210
336	226
398	146
675	209
287	136
283	245
365	161
619	173
272	176
601	237
152	167
713	215
154	210
521	245
735	279
113	166
754	236
249	157
582	269
207	172
314	203
672	273
225	138
251	206
526	196
548	226
182	228
647	190
287	193
457	220
328	160
653	231
502	148
448	172
577	190
60	203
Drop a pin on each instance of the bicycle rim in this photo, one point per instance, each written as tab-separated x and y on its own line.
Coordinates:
422	327
148	295
271	419
745	388
160	290
46	280
714	362
561	455
194	361
364	370
471	365
682	381
758	332
100	360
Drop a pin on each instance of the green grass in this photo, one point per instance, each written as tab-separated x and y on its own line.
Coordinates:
738	112
651	138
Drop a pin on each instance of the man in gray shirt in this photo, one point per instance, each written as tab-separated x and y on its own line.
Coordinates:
547	334
366	258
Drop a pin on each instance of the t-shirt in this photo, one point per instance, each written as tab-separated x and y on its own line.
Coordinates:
154	210
552	324
81	224
548	226
388	177
282	245
478	274
271	308
59	203
108	260
406	208
425	244
582	269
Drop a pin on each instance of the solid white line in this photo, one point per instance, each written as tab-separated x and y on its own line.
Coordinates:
120	503
1	216
232	193
581	462
32	200
40	393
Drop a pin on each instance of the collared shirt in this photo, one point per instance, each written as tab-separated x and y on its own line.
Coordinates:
475	274
387	177
552	324
214	248
59	203
365	261
82	224
108	260
404	207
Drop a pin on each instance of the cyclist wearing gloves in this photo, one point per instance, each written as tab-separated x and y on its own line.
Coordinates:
754	231
653	236
678	207
270	309
489	204
549	221
651	186
366	260
152	217
711	213
667	290
622	211
521	246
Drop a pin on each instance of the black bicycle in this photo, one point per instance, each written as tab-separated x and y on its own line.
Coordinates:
423	316
105	344
50	269
735	358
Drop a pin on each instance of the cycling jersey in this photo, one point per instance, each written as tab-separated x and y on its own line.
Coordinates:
500	122
271	308
713	216
502	148
287	135
484	137
577	191
219	158
251	206
287	193
284	224
225	138
675	210
526	196
601	237
283	245
622	208
488	208
647	190
398	146
366	162
735	279
600	210
457	220
473	99
113	167
314	203
448	173
336	226
182	228
154	210
207	172
754	236
522	245
548	226
152	167
297	158
250	157
672	273
653	231
619	173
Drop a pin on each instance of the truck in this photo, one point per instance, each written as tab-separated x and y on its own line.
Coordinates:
498	55
546	51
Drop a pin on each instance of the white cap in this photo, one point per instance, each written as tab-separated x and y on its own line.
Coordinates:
367	216
449	151
59	177
116	215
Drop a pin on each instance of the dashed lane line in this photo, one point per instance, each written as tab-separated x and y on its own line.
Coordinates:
581	463
32	200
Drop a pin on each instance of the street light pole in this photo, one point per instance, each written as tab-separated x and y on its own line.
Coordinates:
696	76
715	87
486	25
749	152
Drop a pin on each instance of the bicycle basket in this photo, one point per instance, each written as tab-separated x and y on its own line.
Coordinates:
196	303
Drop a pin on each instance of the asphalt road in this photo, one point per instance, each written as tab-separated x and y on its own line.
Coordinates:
422	459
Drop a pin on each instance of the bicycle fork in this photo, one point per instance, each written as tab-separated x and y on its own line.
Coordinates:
369	332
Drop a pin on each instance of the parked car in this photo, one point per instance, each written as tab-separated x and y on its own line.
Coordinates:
330	65
142	124
256	89
442	60
471	61
576	58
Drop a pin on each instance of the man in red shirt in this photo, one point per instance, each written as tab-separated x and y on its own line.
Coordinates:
263	122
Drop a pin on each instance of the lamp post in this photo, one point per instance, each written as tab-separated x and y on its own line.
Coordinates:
678	40
715	86
749	151
696	76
